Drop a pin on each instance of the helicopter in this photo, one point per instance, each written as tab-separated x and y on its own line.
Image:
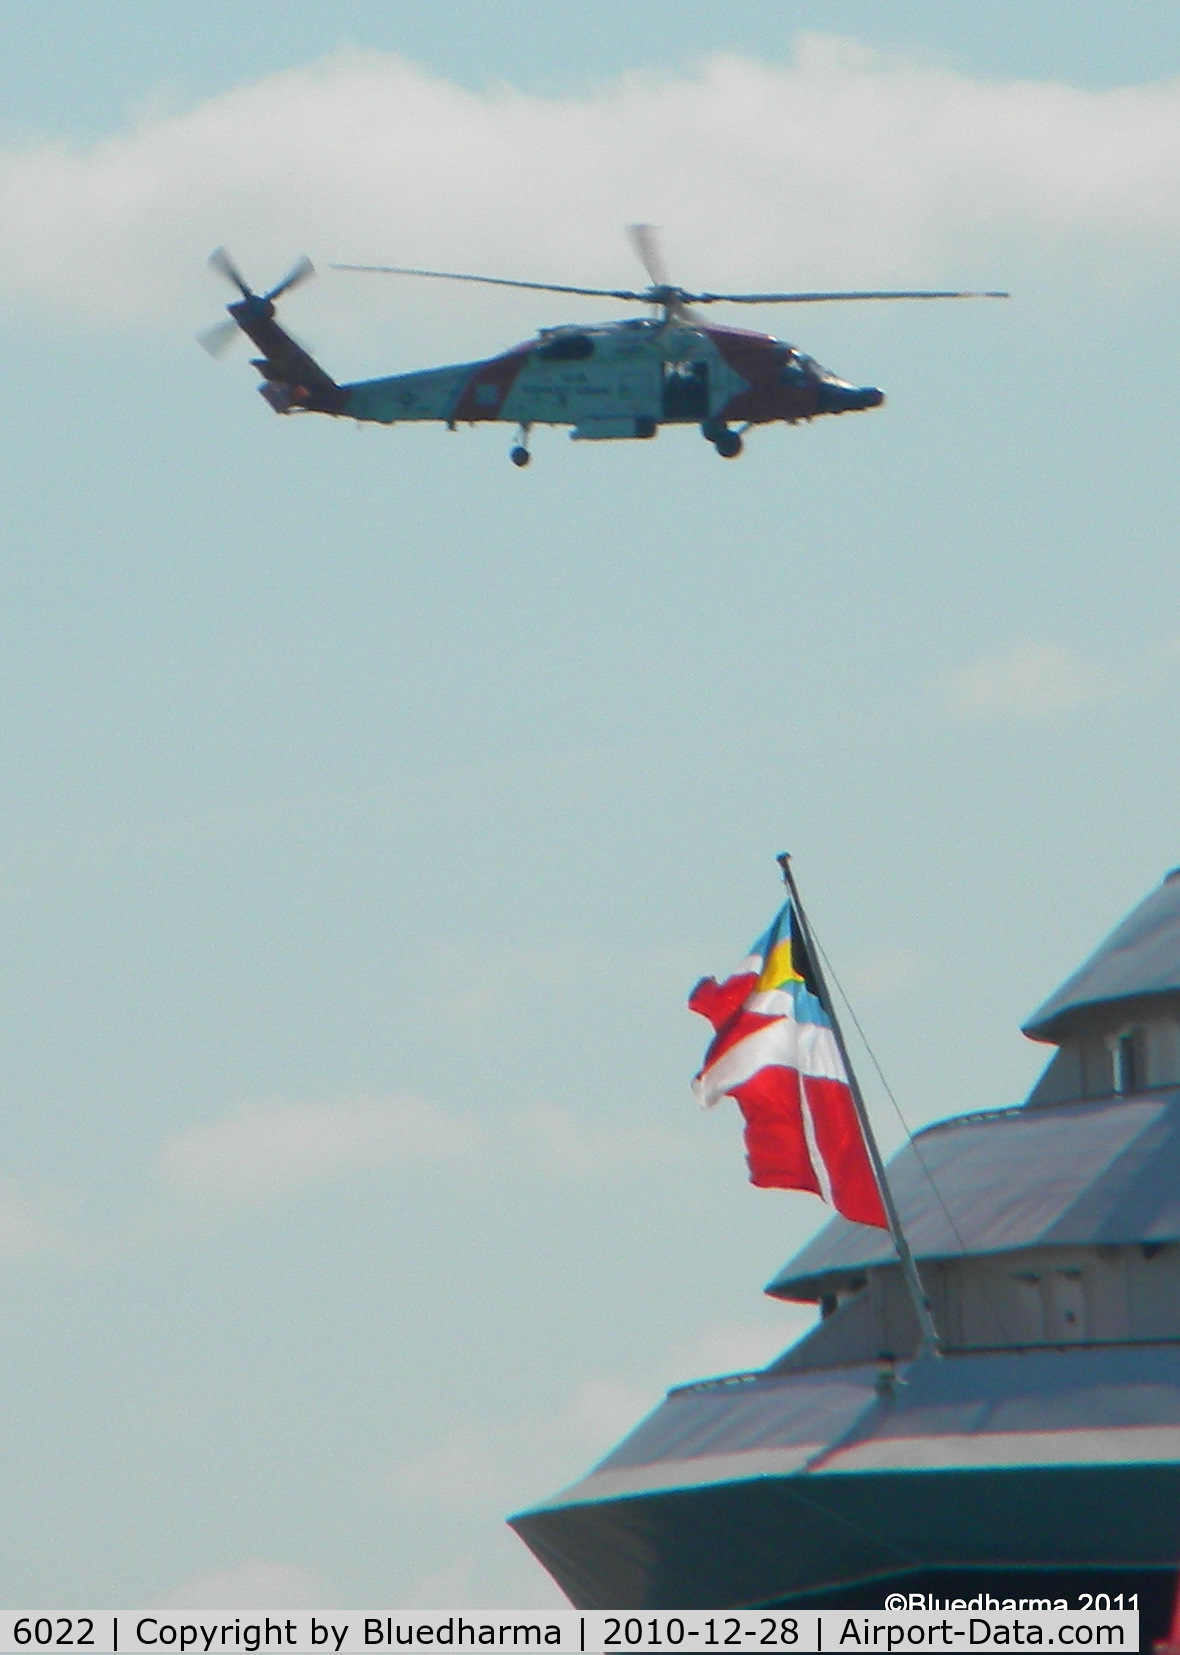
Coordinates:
607	381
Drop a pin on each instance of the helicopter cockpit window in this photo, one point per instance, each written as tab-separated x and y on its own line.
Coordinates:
567	347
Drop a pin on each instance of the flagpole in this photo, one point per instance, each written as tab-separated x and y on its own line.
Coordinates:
930	1343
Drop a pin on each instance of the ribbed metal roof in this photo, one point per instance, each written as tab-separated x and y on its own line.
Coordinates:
1141	956
1061	1175
981	1394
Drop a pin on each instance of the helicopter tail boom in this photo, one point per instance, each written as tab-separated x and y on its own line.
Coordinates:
293	379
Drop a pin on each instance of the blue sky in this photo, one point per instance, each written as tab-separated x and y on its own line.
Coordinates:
370	807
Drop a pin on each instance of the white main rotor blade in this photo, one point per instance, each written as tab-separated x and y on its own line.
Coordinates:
494	281
662	292
826	298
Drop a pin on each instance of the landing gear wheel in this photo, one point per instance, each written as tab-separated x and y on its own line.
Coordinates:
728	444
519	455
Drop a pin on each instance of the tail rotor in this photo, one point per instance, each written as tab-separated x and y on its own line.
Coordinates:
218	339
251	307
295	277
220	261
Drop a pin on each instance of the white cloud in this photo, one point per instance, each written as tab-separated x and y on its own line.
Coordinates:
496	1468
499	1467
482	1470
740	1347
600	1411
463	1473
262	1152
265	1151
255	1587
552	1141
502	1574
844	165
472	1007
447	1589
31	1224
1026	680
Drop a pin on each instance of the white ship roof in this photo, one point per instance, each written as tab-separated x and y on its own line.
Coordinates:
1092	1174
1005	1404
1140	957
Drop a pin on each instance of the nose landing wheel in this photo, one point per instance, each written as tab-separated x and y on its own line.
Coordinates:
519	452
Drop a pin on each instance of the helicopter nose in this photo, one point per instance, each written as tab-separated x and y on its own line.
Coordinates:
834	397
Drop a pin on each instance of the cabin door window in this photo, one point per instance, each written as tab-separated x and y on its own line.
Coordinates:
686	390
1067	1319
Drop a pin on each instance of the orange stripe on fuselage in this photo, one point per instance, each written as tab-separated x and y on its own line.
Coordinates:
484	394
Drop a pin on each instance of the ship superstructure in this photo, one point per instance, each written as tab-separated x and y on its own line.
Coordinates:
1039	1453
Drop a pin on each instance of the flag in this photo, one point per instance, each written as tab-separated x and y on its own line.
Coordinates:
776	1054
